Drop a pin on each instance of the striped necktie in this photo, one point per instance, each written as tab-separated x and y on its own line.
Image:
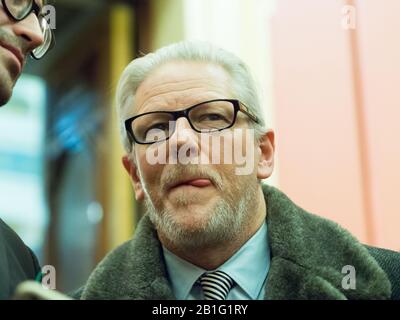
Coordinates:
216	285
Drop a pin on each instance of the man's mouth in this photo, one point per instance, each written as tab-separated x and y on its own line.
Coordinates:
17	53
197	182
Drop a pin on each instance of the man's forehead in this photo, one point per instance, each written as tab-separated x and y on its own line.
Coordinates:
183	74
188	69
181	80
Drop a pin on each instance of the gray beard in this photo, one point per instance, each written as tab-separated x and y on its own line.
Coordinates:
228	220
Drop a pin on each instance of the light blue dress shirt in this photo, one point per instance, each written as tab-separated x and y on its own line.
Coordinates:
248	267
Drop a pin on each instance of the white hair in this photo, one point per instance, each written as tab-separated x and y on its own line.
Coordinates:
136	72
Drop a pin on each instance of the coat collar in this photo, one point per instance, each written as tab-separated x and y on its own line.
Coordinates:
134	270
308	254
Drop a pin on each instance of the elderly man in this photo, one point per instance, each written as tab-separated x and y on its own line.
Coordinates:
212	230
23	31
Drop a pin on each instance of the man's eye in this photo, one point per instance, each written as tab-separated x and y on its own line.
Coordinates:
157	126
212	117
160	126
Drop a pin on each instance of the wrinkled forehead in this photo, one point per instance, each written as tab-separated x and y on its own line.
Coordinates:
183	83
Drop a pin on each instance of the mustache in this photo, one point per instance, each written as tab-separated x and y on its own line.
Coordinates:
175	174
14	41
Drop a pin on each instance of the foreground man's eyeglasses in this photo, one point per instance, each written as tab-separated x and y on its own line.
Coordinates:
19	10
208	116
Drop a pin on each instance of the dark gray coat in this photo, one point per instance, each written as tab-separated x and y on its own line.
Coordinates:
307	257
17	262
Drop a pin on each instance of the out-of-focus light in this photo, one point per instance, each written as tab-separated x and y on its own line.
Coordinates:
94	212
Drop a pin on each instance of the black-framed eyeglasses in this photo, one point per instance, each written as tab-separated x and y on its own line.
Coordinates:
19	10
208	116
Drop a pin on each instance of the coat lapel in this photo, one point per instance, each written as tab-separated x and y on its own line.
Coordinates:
135	270
309	253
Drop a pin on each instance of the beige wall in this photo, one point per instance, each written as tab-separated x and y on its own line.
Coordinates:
166	22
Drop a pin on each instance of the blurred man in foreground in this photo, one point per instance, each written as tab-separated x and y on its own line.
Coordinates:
23	31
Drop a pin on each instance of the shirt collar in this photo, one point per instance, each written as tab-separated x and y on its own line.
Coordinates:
248	267
182	273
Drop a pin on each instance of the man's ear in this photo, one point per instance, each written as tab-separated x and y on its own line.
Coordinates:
131	168
266	148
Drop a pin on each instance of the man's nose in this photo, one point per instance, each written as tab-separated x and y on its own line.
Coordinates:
184	135
29	29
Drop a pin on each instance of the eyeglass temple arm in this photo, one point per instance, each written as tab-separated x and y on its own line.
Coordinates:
250	114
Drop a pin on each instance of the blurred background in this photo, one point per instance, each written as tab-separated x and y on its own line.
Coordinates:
328	73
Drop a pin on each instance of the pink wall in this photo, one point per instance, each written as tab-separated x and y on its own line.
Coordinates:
379	31
335	113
